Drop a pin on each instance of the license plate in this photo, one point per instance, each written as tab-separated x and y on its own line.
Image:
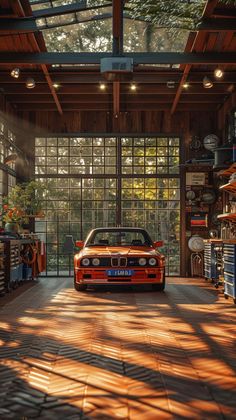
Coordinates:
121	273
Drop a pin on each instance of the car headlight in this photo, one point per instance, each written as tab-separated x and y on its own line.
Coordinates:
142	261
85	262
152	261
95	261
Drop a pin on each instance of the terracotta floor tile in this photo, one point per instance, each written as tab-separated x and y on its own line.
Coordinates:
118	354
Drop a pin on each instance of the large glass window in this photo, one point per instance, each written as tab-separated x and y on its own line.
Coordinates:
96	182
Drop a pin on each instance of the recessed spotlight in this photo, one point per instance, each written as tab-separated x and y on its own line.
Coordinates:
133	87
15	73
207	83
185	85
56	85
102	86
218	73
30	83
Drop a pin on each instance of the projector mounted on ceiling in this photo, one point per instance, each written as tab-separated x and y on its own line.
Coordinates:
117	68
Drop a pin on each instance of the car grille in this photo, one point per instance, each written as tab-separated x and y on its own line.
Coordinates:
119	262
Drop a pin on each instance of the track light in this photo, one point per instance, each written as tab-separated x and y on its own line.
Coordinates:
133	87
207	83
218	73
102	86
30	83
15	73
185	85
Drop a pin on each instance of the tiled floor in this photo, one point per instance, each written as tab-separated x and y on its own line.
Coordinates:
118	354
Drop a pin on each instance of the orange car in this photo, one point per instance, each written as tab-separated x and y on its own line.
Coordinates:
119	256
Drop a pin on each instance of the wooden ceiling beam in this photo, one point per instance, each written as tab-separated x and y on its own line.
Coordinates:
17	8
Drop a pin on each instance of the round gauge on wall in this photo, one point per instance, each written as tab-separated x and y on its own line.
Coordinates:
208	196
196	243
211	142
195	144
190	195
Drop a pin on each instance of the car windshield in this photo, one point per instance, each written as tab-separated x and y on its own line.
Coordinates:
119	238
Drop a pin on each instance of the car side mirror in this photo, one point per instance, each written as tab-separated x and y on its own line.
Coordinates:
157	244
79	244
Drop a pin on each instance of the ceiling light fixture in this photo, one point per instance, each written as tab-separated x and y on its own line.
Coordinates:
207	83
56	85
102	86
218	73
15	73
133	87
186	85
30	83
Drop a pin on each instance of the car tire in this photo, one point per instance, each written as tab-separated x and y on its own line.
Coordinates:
80	287
160	287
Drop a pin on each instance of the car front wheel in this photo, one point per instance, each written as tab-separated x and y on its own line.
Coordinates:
80	287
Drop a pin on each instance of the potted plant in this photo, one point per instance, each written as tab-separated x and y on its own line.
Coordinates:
23	202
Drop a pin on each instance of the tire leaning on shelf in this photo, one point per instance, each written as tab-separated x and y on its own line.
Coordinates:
29	254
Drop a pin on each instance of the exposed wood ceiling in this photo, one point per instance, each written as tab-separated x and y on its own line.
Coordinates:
22	45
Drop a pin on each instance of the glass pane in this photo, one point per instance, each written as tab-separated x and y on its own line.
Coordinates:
75	205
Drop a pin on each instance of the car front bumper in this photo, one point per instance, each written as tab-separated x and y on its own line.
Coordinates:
100	276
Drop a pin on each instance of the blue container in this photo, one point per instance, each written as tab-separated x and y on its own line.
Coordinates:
27	273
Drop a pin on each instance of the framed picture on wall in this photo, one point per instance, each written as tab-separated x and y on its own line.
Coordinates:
195	178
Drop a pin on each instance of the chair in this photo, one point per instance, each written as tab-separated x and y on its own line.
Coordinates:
136	242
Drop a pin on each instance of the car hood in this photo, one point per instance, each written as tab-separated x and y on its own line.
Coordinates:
115	251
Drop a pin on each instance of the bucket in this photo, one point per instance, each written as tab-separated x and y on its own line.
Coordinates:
223	156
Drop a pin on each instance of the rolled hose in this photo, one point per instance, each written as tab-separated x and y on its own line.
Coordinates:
27	252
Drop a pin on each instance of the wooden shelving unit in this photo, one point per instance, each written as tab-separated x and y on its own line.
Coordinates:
229	171
229	245
227	216
230	187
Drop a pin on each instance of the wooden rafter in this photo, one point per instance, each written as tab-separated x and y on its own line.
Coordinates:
117	29
19	10
196	45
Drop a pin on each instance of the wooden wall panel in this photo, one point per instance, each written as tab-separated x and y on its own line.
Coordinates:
224	112
181	123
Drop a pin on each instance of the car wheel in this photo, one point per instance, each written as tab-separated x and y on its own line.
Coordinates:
80	287
160	286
